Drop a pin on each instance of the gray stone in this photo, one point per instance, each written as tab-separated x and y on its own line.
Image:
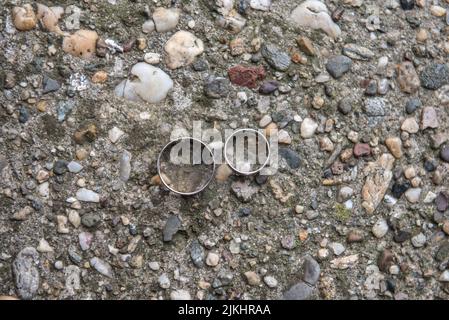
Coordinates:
26	273
275	57
345	105
412	105
101	266
419	240
74	167
443	252
216	87
125	166
299	291
49	85
243	190
72	280
375	107
357	52
338	65
434	76
171	227
444	153
197	253
311	270
90	220
64	108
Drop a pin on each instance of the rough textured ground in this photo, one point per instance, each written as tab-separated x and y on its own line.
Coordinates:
261	244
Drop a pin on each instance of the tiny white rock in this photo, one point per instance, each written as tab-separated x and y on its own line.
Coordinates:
166	19
308	128
87	195
152	58
151	84
44	246
419	240
413	195
380	228
270	281
115	134
148	26
164	281
180	295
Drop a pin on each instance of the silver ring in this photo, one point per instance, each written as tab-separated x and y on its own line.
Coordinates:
247	173
161	175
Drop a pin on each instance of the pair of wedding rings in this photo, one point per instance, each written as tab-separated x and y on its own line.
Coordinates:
195	169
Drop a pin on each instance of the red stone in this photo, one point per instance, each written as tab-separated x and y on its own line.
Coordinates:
361	150
246	76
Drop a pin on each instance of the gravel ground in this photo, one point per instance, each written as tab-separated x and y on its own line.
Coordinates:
358	89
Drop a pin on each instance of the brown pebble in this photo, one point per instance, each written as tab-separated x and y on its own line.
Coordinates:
354	236
100	77
42	105
81	154
305	44
361	150
141	43
385	260
86	133
346	155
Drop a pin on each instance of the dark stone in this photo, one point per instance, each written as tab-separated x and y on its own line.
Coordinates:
434	76
24	114
444	153
399	188
327	174
244	212
443	252
391	285
200	65
132	229
49	85
261	179
407	4
90	220
384	260
74	256
412	105
243	7
345	105
291	157
216	87
371	88
338	65
268	87
60	167
430	165
276	58
197	254
171	227
402	236
442	201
